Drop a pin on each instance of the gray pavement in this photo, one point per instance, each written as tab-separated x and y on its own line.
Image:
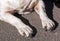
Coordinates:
10	33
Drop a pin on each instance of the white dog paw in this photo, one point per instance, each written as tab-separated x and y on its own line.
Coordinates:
48	24
25	31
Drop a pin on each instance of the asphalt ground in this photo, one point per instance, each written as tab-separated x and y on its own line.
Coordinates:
10	33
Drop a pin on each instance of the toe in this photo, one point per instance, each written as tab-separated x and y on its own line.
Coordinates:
25	31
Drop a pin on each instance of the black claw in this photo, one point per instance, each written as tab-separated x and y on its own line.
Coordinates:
45	28
24	34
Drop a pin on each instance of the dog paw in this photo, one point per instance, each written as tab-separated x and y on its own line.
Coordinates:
25	31
48	24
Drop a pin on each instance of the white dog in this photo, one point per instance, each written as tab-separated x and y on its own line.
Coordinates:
8	7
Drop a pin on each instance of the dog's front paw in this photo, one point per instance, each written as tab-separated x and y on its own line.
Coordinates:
48	24
25	31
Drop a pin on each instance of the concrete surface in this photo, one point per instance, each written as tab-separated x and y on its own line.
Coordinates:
10	33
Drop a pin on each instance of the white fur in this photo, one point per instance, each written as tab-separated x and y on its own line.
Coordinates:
46	22
21	6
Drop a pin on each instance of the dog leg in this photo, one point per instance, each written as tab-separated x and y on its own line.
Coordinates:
46	22
23	29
